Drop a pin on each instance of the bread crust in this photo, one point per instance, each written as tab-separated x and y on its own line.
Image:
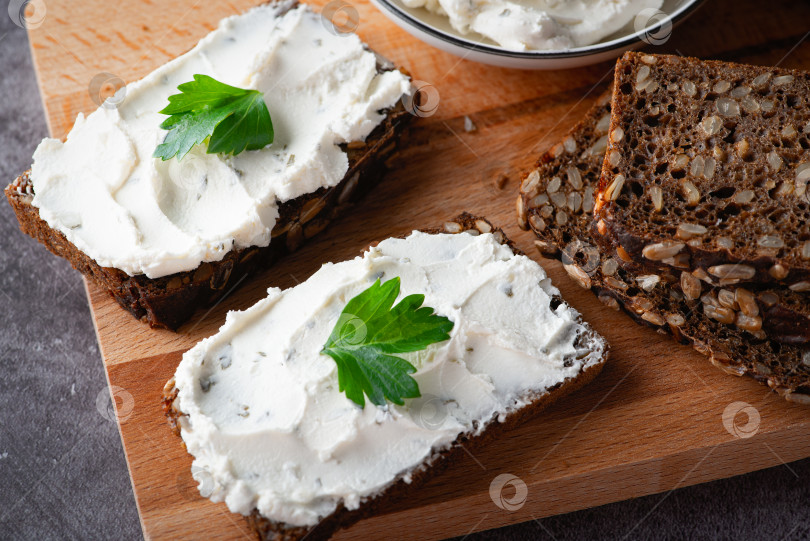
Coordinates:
168	301
268	530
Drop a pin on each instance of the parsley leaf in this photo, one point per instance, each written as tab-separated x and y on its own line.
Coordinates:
235	119
369	330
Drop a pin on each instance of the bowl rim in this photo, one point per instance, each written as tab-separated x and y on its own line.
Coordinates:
622	42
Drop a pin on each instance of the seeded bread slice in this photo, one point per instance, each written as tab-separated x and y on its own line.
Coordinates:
656	300
707	166
168	301
597	353
557	199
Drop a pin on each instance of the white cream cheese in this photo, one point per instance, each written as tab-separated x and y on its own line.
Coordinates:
522	25
103	190
268	428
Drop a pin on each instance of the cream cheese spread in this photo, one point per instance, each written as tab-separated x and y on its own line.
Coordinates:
269	429
538	24
103	190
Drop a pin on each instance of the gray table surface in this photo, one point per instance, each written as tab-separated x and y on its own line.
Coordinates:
62	468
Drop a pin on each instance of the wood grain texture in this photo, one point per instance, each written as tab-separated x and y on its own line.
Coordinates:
650	423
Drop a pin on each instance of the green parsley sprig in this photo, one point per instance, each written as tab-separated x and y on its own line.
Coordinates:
232	119
369	330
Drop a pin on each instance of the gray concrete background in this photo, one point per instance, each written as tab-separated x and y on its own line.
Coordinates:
62	468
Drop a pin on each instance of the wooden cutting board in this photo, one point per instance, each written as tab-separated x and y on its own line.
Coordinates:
652	421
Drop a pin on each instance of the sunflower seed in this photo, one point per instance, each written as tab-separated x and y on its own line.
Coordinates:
561	218
569	144
760	80
806	250
537	223
483	226
767	106
599	147
742	148
521	216
453	227
546	211
803	172
648	282
789	132
744	197
654	318
648	59
574	201
688	231
616	135
689	88
800	286
657	197
690	286
748	323
614	158
778	271
610	266
675	319
530	182
771	241
740	91
559	199
662	250
680	162
615	188
724	242
622	253
746	301
539	200
574	178
726	298
587	200
727	107
578	275
782	80
733	270
768	298
603	124
691	192
642	74
697	167
711	124
554	185
615	283
721	314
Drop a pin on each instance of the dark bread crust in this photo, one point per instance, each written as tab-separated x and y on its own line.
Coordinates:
268	530
168	301
660	124
783	367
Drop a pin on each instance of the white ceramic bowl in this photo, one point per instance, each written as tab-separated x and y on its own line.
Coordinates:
654	28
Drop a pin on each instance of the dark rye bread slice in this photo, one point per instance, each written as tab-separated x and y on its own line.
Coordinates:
168	301
656	300
343	518
556	201
707	168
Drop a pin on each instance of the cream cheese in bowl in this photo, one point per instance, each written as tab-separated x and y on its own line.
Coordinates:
538	24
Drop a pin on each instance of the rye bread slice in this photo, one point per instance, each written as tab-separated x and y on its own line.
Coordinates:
169	301
707	168
656	299
400	488
559	210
